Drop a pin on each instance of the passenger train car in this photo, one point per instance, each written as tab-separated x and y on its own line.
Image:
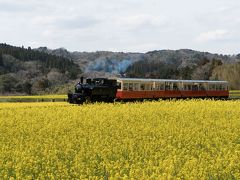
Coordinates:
132	88
103	89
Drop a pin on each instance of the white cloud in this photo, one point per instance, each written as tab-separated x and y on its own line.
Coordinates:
142	21
216	35
43	20
122	25
224	9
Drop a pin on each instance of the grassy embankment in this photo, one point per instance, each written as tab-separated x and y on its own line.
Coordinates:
38	98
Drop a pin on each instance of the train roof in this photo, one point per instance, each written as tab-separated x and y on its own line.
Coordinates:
169	80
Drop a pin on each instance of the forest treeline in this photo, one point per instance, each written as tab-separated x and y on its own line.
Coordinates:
27	71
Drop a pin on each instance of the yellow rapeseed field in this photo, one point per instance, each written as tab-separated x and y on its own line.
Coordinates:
197	139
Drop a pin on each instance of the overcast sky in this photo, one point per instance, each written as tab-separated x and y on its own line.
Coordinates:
122	25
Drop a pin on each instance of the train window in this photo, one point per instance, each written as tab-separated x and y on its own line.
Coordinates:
212	87
175	87
187	87
209	86
125	86
142	87
222	87
161	87
130	86
195	87
99	81
147	87
201	87
135	86
89	81
168	86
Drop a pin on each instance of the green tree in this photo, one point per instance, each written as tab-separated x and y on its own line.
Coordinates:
1	59
7	83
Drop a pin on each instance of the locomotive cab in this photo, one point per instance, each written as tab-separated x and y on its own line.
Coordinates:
79	88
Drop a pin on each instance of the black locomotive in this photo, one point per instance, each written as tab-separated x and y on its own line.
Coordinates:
97	89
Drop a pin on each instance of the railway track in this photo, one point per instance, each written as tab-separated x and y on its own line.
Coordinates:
233	95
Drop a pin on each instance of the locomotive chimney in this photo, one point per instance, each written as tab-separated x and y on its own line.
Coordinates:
81	80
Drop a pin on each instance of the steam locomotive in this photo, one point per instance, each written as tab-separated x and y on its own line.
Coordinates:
108	90
97	89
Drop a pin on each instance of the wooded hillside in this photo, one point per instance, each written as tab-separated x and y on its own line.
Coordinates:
32	72
42	70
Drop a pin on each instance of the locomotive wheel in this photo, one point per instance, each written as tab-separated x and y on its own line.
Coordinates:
110	100
74	101
88	99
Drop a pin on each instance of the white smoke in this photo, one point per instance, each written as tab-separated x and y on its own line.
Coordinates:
110	66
